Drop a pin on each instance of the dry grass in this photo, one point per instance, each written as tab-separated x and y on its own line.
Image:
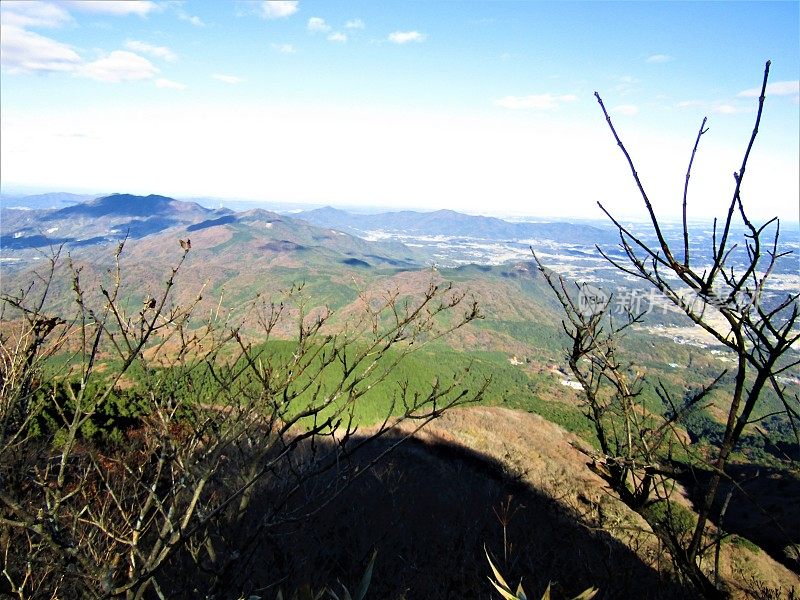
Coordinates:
545	457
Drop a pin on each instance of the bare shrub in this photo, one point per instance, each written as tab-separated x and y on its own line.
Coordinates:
729	300
133	441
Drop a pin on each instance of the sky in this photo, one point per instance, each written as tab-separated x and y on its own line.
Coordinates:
485	107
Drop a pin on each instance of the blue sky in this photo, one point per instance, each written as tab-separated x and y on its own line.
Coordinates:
484	107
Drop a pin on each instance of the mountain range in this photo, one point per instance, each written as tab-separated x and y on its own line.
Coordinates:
454	224
50	200
62	219
237	256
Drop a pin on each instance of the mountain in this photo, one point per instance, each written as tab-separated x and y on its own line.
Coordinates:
53	200
128	205
97	220
242	253
450	223
111	218
261	230
237	256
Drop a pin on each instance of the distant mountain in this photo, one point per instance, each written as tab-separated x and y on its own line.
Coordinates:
450	223
236	257
54	200
260	231
128	205
245	205
98	220
224	243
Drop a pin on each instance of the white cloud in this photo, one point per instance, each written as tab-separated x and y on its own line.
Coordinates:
354	24
232	79
626	84
118	8
169	84
779	88
720	107
283	48
318	24
535	101
118	66
33	14
403	37
625	109
728	109
156	51
176	6
659	58
337	36
193	19
23	51
733	106
278	9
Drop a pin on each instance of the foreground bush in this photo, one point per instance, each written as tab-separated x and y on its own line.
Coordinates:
133	440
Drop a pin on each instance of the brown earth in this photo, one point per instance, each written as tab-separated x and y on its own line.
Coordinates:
478	479
547	458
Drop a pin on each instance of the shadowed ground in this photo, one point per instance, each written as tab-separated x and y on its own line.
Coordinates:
429	509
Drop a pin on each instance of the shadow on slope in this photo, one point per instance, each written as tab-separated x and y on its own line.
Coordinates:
761	508
429	509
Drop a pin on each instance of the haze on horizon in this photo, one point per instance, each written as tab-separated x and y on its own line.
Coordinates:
481	107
